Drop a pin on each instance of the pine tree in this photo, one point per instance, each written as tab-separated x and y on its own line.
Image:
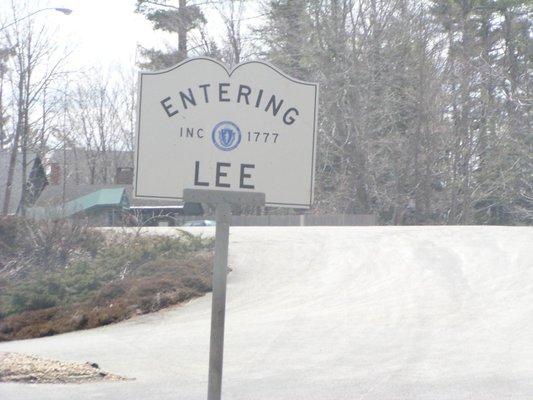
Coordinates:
166	17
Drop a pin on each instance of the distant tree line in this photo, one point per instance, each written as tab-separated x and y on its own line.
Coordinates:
425	106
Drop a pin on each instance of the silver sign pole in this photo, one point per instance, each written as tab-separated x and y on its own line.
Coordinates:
222	200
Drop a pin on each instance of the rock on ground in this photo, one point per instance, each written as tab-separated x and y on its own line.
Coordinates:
16	367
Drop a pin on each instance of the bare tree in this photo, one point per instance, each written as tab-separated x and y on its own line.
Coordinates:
125	107
232	14
95	122
35	63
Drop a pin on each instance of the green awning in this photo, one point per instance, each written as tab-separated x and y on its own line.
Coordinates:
112	197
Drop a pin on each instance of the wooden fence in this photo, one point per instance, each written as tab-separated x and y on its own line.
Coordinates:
297	220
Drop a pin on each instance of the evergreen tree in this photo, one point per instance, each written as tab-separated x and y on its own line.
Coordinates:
169	18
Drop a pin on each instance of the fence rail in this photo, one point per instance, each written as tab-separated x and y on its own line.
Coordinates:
296	220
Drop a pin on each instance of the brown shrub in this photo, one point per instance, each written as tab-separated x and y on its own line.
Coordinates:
56	276
116	301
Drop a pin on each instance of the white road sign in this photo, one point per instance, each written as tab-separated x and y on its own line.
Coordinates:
201	126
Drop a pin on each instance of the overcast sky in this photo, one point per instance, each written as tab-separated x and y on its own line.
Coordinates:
105	33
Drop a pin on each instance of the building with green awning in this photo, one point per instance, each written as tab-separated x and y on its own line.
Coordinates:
102	206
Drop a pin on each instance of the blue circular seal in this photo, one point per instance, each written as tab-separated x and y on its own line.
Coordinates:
226	135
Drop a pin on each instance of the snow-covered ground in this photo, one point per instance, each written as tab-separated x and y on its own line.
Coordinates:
332	313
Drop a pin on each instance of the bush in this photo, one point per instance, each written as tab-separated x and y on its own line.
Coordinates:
9	235
76	278
26	244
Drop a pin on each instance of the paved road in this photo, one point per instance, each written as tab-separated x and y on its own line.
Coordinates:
332	313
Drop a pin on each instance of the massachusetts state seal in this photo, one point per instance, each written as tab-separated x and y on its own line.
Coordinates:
226	135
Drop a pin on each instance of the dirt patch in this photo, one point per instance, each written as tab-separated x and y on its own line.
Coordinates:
15	367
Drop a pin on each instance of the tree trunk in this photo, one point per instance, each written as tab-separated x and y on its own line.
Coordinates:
182	29
14	148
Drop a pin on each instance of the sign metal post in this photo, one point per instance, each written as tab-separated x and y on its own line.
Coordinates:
222	200
212	135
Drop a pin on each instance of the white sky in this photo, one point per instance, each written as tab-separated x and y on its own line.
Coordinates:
105	33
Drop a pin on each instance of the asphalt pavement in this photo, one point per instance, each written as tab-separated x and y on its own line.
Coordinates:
330	313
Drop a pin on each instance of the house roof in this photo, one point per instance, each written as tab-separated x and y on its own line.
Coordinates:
81	166
102	197
52	195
